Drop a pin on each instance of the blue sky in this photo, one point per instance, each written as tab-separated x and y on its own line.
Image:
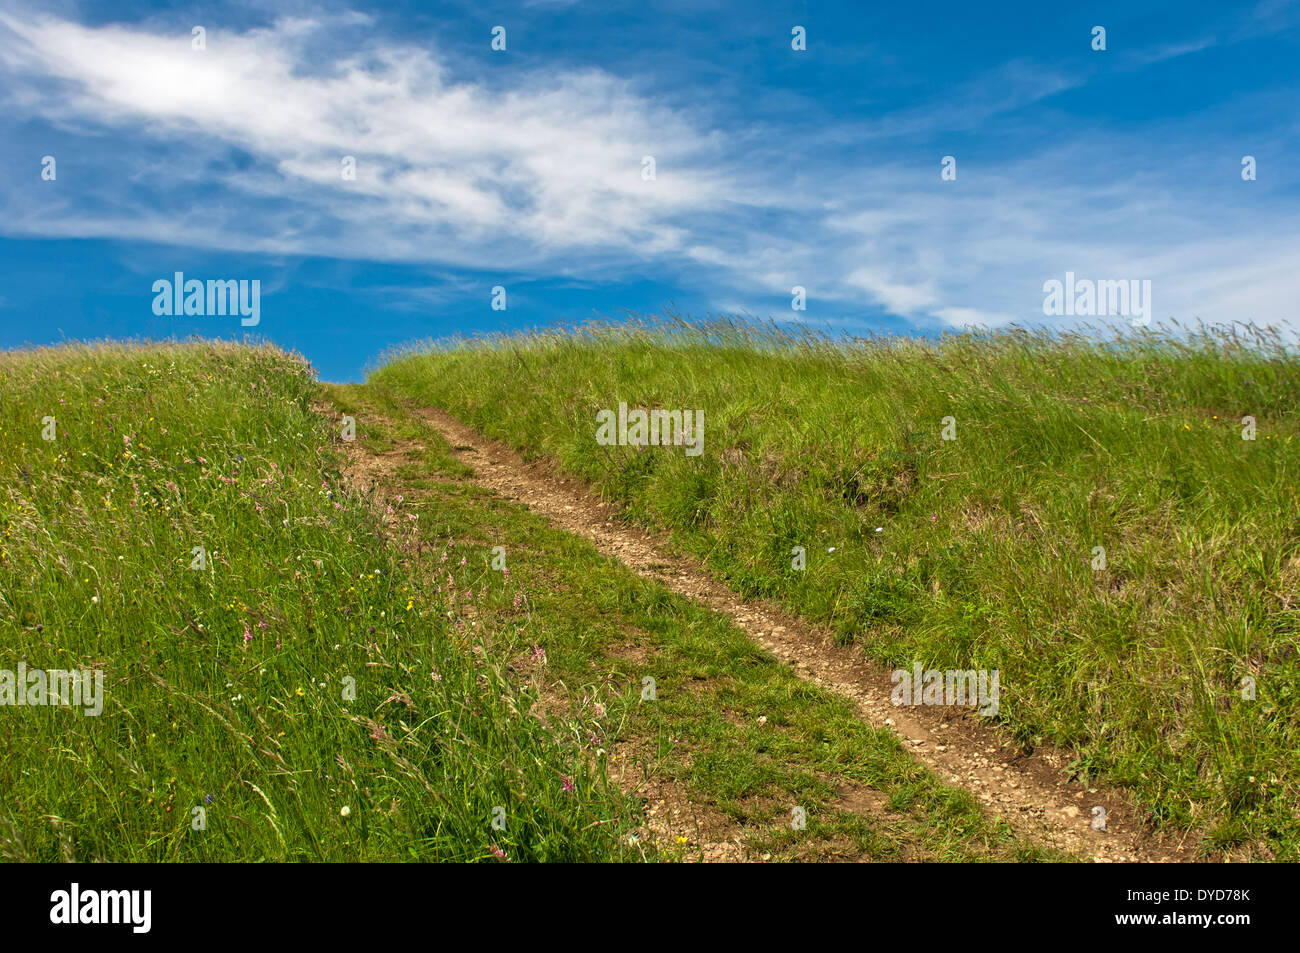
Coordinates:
523	168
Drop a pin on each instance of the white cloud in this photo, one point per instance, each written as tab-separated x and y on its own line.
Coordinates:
540	173
551	165
908	300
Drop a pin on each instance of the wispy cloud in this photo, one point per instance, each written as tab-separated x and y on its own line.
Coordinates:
444	170
239	146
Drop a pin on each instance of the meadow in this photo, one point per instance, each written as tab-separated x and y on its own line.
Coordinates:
1108	520
302	662
280	683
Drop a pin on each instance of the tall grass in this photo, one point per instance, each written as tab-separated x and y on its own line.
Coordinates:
732	740
229	688
977	552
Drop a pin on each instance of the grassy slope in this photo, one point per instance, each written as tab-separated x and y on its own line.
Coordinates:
224	686
734	731
986	550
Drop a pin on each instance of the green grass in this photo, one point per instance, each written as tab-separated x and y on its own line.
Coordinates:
986	550
225	686
733	729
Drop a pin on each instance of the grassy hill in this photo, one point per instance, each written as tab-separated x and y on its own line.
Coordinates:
1098	527
301	661
300	683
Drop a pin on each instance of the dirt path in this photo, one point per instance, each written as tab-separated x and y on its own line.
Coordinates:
713	837
1027	790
